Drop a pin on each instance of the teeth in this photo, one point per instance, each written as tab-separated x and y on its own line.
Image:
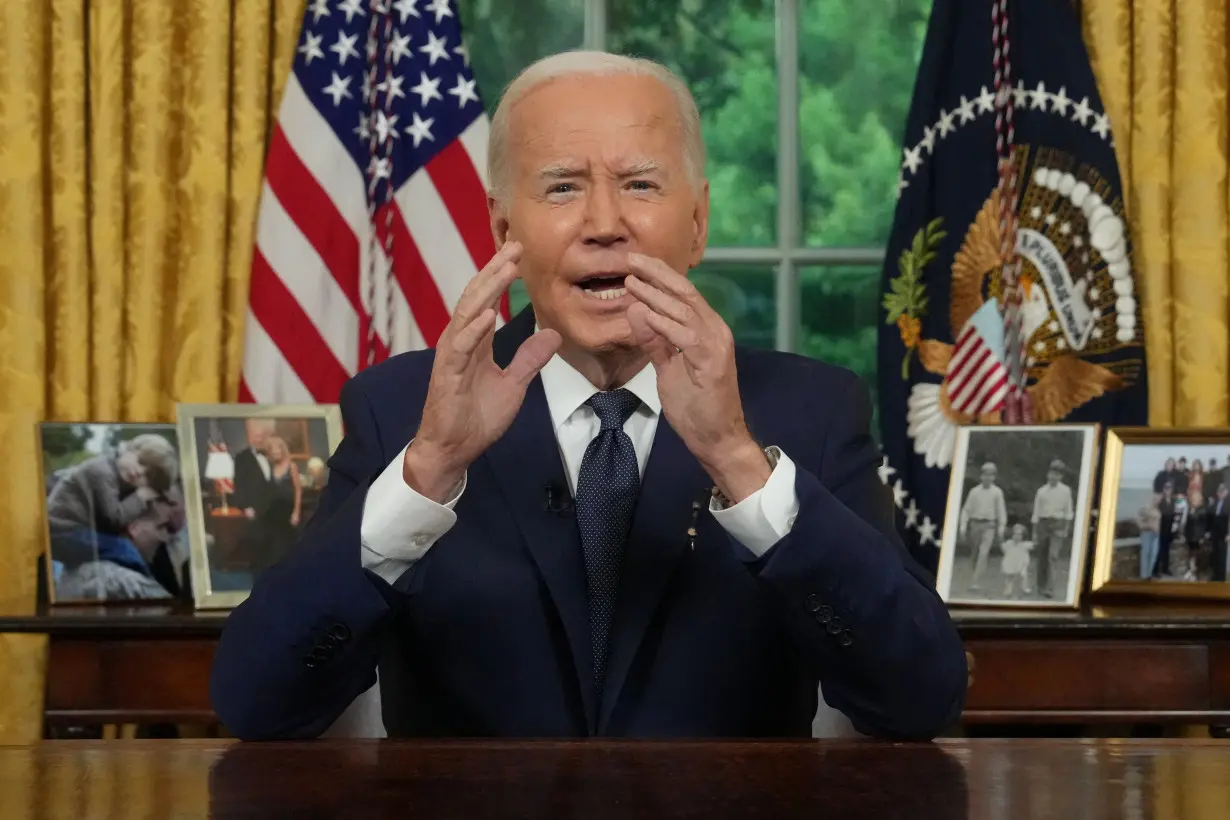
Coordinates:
607	294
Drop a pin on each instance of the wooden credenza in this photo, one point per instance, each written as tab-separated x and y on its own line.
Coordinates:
1157	665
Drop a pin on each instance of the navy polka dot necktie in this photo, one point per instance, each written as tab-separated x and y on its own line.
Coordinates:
606	495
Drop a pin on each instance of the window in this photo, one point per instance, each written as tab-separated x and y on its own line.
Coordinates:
803	103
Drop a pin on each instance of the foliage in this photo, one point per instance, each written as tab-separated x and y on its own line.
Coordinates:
906	301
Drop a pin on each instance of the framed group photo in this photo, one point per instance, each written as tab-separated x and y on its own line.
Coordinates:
1165	513
114	513
1017	521
253	476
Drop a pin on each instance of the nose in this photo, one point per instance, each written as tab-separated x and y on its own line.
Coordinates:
604	219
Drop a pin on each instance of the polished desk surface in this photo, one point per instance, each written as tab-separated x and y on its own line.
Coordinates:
1005	780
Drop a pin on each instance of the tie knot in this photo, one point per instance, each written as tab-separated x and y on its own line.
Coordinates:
614	407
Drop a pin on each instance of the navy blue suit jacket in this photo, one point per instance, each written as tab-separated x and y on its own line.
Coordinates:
488	634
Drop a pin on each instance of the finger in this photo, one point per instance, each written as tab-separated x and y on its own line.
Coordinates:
655	344
476	297
533	354
660	301
684	338
664	277
471	336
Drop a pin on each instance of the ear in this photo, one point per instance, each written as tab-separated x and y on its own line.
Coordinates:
498	216
700	226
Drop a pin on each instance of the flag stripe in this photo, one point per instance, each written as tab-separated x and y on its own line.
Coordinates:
415	279
435	235
454	179
265	368
475	139
960	378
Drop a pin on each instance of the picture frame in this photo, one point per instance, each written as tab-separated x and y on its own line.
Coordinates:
1163	478
1019	539
248	496
113	520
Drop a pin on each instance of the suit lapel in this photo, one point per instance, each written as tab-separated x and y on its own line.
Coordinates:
656	541
525	461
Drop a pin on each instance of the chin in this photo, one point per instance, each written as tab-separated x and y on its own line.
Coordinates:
602	336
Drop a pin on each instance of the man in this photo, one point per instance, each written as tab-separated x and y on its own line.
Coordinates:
1052	520
983	518
252	470
123	571
1212	480
600	548
1219	528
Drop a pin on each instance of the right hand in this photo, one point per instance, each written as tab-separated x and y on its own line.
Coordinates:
471	401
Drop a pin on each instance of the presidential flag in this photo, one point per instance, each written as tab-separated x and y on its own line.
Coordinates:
1009	294
373	213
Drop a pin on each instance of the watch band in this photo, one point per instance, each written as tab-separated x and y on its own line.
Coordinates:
772	455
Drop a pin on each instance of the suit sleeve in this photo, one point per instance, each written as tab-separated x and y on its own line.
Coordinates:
307	640
864	614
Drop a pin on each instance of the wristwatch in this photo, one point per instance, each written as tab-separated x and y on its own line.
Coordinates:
772	455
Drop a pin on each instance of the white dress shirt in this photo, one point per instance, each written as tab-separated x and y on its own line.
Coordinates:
399	525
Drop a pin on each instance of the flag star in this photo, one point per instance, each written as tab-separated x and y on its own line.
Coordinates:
911	514
1035	212
1082	111
1101	125
945	124
400	47
311	48
318	9
902	184
1096	333
1051	219
928	140
913	156
899	493
350	8
435	48
1060	102
1077	242
986	101
406	8
1019	94
926	531
885	472
463	91
1040	346
344	47
427	89
392	86
1053	326
362	131
1061	344
420	129
338	89
463	53
440	9
1065	228
966	110
380	168
1039	97
385	126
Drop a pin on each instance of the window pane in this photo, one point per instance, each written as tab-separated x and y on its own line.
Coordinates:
857	60
724	51
744	296
838	314
504	37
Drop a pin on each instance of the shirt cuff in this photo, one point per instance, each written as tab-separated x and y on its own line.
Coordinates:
399	525
767	515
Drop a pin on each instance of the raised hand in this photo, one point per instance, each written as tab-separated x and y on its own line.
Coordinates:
693	352
471	401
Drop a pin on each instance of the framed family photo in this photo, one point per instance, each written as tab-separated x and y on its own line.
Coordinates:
114	514
1165	513
1017	522
253	476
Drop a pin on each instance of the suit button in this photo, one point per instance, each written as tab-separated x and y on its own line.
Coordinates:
845	639
824	615
339	632
835	625
310	661
814	604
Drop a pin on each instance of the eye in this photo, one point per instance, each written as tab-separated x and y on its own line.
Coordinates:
642	185
561	188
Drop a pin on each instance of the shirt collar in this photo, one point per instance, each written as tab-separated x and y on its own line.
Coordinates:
566	389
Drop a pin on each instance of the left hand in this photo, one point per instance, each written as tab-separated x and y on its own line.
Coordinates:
693	352
294	519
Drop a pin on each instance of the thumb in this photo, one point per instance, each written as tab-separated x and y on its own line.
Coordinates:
533	354
648	339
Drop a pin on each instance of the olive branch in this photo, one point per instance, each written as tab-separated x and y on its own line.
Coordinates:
907	296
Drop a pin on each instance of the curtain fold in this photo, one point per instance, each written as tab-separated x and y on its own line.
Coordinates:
1162	69
132	140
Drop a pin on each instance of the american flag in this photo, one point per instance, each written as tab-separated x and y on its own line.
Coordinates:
373	212
977	378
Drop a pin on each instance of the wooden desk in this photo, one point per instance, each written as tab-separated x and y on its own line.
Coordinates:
1122	665
956	780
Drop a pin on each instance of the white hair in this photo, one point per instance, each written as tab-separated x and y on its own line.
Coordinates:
601	63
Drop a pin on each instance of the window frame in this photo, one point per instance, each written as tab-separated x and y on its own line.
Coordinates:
788	255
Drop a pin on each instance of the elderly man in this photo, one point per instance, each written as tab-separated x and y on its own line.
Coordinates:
603	519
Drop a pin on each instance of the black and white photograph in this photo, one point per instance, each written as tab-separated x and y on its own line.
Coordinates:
1165	519
254	476
1017	521
115	517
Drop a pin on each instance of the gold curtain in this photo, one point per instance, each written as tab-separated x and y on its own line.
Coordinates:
1162	69
132	137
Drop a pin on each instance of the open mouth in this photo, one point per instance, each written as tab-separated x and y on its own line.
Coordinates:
605	286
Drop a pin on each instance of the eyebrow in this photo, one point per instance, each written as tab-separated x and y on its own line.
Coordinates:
563	171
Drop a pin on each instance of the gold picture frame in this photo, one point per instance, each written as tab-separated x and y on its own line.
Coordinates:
1129	502
1023	456
226	527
